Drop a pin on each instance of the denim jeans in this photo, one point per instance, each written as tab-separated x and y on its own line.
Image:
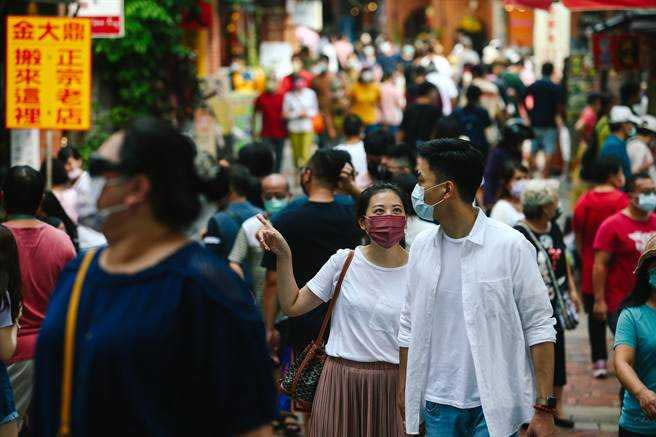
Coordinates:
444	420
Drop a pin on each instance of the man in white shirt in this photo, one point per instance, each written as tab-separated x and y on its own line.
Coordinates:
476	334
639	147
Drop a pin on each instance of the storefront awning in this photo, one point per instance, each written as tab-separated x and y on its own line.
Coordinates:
603	5
529	4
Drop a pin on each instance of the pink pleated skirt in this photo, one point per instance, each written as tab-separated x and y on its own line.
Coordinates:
356	400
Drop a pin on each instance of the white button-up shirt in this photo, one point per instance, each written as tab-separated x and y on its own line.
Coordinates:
506	310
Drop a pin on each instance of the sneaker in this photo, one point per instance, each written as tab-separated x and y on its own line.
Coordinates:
599	369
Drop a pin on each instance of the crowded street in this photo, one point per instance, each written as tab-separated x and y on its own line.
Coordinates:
336	218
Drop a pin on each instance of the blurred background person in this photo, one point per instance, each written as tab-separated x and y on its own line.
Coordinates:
11	302
269	106
392	103
300	106
43	252
639	147
508	208
540	205
365	100
179	306
354	146
596	205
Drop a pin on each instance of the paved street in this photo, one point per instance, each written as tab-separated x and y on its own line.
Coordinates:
593	403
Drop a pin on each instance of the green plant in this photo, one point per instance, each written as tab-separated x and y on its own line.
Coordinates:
148	71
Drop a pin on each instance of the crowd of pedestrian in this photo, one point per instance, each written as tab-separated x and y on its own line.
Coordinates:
417	238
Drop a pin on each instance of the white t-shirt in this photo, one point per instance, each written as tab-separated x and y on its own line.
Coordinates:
359	160
505	212
415	227
639	154
299	102
365	320
451	373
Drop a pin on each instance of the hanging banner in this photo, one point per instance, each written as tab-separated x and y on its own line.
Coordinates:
48	73
605	5
107	19
619	51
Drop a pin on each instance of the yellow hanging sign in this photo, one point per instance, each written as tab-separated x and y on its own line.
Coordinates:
48	73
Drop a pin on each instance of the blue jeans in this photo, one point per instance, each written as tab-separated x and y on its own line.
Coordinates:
545	139
444	420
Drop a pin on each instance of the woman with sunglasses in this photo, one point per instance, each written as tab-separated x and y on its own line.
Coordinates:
167	339
356	395
635	350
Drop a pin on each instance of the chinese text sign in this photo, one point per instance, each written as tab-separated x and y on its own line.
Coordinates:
48	73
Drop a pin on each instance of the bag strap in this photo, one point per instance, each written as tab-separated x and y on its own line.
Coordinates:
69	346
540	247
331	305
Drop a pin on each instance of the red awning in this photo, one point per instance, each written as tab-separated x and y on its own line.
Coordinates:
531	4
601	5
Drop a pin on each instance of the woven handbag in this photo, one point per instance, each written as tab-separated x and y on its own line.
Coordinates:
301	380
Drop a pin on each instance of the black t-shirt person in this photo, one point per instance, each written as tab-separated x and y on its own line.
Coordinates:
314	232
554	243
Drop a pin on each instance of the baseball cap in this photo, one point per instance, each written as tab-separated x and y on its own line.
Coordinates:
623	114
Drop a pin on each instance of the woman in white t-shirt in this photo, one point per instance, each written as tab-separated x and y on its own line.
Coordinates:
356	394
508	208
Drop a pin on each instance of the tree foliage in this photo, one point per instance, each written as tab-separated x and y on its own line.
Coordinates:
149	71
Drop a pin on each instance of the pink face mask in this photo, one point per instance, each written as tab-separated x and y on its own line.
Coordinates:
385	230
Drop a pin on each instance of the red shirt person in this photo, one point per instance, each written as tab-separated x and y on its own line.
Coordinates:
595	206
618	245
43	251
274	131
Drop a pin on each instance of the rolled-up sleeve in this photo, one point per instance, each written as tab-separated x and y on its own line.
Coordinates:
532	296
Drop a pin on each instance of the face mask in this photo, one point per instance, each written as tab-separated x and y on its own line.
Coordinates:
652	278
367	77
274	205
97	219
633	131
423	210
320	68
385	230
517	188
74	174
647	202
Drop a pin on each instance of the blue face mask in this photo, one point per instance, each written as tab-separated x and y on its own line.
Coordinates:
423	210
652	278
647	202
274	205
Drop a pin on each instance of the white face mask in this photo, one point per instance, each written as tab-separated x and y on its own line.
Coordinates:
97	219
74	174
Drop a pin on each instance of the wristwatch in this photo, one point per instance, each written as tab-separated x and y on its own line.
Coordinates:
547	404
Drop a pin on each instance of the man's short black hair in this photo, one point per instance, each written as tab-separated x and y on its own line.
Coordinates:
424	89
377	142
606	167
68	152
456	160
258	158
326	166
473	94
241	180
402	153
547	69
22	190
352	125
632	181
